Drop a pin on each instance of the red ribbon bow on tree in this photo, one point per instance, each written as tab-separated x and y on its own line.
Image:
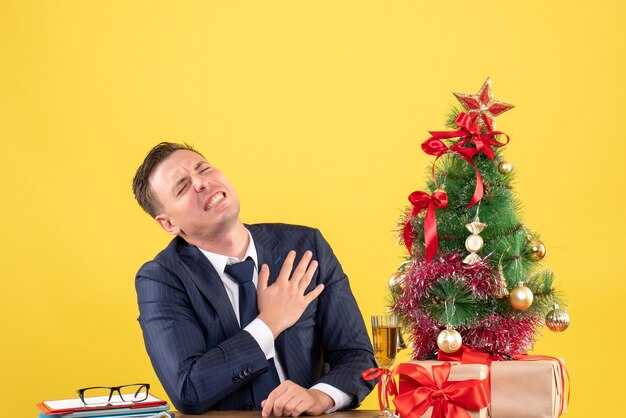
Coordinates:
420	201
448	399
470	133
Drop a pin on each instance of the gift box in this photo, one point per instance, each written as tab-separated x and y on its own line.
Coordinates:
529	388
439	389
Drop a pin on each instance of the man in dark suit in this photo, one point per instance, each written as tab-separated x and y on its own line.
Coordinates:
295	345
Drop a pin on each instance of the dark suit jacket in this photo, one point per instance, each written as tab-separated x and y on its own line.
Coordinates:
202	357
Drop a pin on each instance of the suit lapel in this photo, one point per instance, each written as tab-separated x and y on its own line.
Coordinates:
208	281
288	344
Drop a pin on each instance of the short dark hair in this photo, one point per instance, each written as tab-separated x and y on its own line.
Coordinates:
141	182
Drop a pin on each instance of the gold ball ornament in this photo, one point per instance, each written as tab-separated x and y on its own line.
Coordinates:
504	167
449	340
557	320
536	249
521	297
396	282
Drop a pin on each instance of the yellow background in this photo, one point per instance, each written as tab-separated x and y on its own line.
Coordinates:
315	110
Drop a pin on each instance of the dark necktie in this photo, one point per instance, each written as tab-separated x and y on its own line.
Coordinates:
263	384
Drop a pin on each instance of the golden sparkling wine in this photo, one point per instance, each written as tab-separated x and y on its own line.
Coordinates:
385	345
385	337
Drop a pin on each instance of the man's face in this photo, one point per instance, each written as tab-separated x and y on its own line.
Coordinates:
198	202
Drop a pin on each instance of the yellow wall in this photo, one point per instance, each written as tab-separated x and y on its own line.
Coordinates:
316	111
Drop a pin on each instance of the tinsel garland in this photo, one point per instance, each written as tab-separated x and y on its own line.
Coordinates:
423	275
500	335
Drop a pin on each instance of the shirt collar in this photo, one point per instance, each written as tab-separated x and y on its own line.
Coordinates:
220	261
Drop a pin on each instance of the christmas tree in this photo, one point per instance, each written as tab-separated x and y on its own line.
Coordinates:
473	273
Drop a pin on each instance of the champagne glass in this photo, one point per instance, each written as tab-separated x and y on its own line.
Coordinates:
385	336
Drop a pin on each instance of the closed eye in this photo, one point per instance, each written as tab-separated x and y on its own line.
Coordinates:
181	189
202	166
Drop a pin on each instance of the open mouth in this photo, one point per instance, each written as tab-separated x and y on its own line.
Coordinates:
214	200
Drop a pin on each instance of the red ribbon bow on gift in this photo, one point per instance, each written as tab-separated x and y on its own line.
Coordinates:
379	373
448	399
468	355
470	133
420	201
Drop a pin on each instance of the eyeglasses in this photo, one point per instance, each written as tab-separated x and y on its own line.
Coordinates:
105	395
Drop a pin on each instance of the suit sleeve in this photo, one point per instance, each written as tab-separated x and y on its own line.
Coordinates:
346	346
194	375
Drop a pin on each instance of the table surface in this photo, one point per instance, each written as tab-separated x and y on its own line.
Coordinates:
362	413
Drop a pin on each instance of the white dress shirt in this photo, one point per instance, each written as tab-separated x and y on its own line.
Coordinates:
257	328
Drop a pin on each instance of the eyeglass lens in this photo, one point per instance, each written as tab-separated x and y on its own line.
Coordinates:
103	395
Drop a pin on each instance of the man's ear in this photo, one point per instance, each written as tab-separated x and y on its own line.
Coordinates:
167	224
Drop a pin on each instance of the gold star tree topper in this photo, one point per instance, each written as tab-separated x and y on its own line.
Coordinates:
482	108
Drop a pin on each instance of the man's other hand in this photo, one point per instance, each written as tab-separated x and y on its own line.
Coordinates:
282	303
292	400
